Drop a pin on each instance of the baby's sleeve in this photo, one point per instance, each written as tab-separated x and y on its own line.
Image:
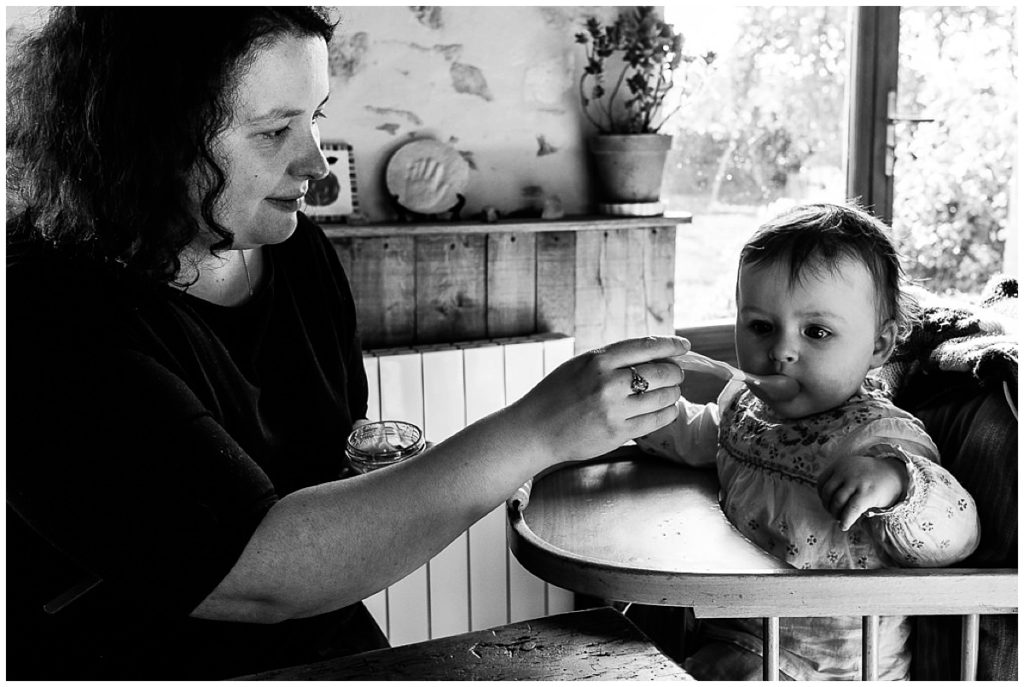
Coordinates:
936	523
692	438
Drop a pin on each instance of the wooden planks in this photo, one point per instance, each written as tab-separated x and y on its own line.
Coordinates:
511	284
556	282
624	285
450	288
383	278
598	285
597	644
659	278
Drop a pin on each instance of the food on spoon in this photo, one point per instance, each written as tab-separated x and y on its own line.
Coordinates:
701	363
384	444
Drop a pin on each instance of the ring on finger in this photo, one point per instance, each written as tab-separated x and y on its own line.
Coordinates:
638	384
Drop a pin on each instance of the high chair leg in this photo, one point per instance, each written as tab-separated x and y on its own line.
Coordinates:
969	647
770	649
869	650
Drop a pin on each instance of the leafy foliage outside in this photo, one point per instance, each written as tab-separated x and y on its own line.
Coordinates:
772	112
953	176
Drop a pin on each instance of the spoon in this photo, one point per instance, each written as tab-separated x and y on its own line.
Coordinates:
778	388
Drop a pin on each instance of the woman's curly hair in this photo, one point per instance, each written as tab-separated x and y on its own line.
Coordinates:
112	113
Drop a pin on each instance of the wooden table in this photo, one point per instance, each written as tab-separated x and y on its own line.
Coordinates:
597	644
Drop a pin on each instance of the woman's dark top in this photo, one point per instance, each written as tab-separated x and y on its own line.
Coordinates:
148	433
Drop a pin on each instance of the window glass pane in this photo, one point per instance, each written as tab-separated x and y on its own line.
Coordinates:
766	130
953	177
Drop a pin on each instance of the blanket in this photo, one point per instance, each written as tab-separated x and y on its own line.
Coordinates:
979	340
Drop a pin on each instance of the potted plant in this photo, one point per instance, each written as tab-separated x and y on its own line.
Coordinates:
643	61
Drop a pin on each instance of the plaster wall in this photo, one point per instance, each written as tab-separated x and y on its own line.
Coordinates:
497	83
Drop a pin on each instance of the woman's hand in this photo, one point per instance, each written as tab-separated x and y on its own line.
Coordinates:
852	485
587	406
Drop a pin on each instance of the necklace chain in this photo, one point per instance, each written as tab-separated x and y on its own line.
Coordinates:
245	265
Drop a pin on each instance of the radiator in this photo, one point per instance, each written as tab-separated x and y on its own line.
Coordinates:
474	583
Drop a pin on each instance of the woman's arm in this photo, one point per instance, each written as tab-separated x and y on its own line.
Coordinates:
327	546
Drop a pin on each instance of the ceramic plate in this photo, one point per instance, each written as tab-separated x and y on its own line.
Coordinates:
426	176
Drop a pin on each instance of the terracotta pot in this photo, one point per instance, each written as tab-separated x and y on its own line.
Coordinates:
629	167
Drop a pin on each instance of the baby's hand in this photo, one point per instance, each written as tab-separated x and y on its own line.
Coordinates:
850	486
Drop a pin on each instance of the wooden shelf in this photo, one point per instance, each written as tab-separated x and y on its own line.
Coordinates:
599	279
524	226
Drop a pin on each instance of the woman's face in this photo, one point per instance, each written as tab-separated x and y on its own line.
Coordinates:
271	147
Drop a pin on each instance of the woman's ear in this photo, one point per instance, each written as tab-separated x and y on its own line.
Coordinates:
885	343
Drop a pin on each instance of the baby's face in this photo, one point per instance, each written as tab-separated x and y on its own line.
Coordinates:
823	332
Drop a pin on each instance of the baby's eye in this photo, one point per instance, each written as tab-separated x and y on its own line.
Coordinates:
319	114
816	332
759	326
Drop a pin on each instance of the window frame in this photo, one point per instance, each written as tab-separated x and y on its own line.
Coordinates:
874	64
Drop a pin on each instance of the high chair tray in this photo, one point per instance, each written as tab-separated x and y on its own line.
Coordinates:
629	527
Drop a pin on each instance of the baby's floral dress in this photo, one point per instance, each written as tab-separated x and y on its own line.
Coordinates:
768	469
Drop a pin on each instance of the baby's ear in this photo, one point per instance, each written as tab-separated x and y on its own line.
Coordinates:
885	343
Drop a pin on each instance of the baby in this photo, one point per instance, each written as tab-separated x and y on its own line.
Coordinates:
835	477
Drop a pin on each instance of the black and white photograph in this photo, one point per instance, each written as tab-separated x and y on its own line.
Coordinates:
532	343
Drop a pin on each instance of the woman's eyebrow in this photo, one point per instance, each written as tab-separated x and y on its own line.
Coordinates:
276	113
283	112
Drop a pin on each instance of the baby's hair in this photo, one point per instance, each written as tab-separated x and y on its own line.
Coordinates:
816	237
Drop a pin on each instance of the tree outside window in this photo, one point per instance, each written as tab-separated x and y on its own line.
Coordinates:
954	177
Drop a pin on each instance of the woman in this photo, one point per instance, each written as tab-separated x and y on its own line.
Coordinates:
185	364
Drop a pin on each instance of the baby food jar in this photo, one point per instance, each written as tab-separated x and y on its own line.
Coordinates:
377	445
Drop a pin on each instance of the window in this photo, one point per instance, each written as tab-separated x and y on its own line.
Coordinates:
767	130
